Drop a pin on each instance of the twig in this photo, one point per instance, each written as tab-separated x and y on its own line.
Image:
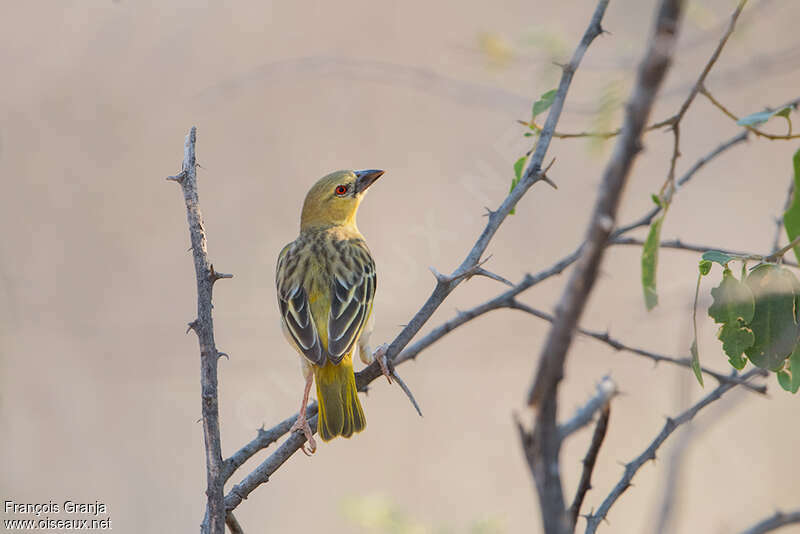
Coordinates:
694	247
542	445
214	522
589	462
606	390
676	459
775	521
753	129
233	524
606	338
631	468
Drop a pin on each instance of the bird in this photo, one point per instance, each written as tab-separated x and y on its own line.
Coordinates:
326	283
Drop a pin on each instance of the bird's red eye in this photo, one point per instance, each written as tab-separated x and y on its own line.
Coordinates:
341	190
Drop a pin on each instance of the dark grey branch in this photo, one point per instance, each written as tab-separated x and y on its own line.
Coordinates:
694	247
606	338
593	520
777	520
589	462
203	325
542	446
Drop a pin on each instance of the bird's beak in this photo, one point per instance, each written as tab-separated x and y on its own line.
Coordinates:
364	179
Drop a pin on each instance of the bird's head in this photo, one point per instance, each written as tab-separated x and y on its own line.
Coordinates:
334	199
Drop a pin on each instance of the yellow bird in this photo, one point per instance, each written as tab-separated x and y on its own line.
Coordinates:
326	284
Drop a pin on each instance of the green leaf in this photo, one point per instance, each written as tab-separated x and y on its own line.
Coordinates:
794	366
656	199
704	267
789	376
696	362
519	167
736	338
693	349
791	219
758	118
733	301
717	256
785	380
773	323
650	263
544	102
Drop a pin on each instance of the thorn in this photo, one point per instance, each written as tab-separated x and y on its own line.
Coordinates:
489	212
496	277
404	387
221	354
192	326
442	279
199	420
178	177
214	275
559	65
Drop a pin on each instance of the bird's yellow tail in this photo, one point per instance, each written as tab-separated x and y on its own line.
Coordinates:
340	412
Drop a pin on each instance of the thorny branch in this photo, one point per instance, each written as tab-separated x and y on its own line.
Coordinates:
631	468
589	462
777	520
542	445
203	325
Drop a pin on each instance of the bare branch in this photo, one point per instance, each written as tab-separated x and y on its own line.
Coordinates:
775	521
606	390
631	468
542	446
694	247
606	338
203	326
233	524
589	462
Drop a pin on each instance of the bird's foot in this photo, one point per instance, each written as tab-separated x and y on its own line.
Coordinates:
301	425
383	361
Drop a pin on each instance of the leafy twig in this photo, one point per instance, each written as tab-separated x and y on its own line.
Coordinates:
753	129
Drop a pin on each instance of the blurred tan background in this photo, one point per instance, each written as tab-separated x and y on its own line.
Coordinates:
99	391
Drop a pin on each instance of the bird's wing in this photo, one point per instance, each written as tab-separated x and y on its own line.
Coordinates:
352	294
295	309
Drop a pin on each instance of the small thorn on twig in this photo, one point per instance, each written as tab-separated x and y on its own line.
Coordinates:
441	278
497	277
192	326
178	177
214	275
489	212
221	354
405	389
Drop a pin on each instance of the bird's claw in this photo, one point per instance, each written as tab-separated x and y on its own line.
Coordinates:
301	425
380	355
